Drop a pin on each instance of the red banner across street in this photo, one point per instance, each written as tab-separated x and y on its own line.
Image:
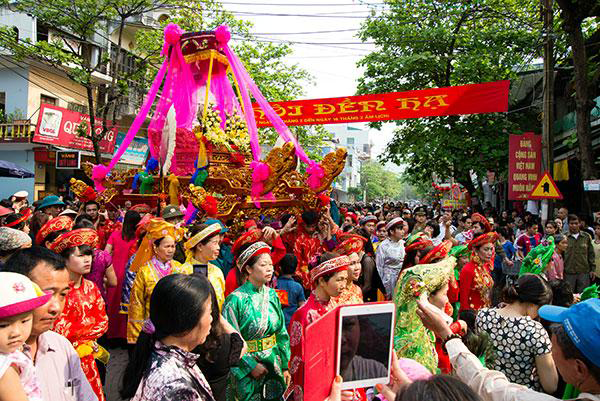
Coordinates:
58	126
487	97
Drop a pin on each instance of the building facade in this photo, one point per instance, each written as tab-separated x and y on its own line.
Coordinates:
356	140
27	84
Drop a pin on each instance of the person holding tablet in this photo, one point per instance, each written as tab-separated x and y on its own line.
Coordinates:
574	350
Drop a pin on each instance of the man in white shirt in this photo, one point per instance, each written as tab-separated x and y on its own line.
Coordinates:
57	365
389	256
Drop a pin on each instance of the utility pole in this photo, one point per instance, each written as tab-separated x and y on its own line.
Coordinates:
548	106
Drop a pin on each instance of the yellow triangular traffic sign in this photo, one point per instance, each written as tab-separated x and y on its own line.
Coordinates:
545	189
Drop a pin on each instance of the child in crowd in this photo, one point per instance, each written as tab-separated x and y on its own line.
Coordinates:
556	267
18	298
294	291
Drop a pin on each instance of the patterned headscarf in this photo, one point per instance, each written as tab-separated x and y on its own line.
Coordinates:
349	243
329	266
56	224
258	248
196	239
439	252
418	240
460	250
11	239
71	239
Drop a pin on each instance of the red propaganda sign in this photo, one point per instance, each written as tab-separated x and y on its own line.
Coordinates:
524	164
58	126
488	97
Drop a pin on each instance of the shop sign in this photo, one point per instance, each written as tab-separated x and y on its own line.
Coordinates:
137	151
524	164
68	159
454	203
58	126
591	185
487	97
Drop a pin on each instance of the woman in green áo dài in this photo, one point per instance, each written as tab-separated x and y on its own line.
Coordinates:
255	312
411	339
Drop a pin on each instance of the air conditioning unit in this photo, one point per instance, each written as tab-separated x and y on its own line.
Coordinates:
126	108
148	20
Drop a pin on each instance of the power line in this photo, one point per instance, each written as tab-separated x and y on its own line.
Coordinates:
56	83
27	79
297	15
304	4
316	43
325	56
307	33
280	41
45	77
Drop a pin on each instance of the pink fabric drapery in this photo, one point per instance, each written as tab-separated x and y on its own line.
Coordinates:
261	170
180	90
99	172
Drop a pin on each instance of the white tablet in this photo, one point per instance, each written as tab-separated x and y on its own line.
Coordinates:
365	344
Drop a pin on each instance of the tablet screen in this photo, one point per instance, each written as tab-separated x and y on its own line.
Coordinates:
365	346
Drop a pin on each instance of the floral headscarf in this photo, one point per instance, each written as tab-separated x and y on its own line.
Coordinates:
411	339
11	239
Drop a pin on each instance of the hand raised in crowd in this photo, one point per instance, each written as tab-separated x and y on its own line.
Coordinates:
289	226
259	371
327	215
269	234
325	229
398	381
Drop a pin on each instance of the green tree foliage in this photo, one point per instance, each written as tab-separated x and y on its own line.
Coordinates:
423	44
378	183
79	28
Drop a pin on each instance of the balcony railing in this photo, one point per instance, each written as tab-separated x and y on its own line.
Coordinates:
17	130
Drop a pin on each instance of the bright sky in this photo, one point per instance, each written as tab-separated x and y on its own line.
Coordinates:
329	48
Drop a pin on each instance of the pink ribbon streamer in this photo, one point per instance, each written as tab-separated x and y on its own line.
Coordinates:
237	68
315	171
99	172
178	90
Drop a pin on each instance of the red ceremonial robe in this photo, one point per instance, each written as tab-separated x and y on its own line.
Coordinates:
475	286
310	312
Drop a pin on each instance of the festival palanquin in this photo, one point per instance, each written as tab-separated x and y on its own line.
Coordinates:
204	144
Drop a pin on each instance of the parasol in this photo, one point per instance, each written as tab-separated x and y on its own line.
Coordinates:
9	169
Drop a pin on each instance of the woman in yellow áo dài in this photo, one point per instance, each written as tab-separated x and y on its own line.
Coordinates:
202	247
153	261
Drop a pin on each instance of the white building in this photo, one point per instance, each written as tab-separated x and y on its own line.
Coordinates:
356	141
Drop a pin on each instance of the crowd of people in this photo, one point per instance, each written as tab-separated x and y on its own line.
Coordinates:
488	306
